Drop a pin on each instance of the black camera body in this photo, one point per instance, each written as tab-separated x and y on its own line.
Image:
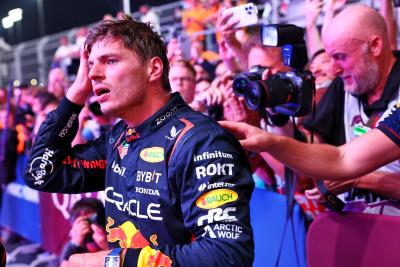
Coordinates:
97	218
289	93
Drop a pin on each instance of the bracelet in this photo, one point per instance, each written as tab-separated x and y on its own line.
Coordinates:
113	259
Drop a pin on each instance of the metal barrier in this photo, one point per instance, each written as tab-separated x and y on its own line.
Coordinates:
33	59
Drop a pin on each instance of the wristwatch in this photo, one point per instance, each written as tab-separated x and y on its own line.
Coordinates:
113	259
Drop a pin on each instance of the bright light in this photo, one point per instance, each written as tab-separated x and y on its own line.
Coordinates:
15	14
34	82
7	22
16	83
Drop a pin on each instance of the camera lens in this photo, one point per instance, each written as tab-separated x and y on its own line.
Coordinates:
252	91
239	85
253	96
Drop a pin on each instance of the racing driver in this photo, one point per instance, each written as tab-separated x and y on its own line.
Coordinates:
177	186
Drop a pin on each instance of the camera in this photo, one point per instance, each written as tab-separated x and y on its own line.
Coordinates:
97	218
289	93
95	108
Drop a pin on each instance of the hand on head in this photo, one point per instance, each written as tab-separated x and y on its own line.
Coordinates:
82	86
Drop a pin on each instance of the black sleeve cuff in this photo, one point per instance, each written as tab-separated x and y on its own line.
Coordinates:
66	107
131	257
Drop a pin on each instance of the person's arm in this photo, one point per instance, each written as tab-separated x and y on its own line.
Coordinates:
332	7
358	157
227	29
387	13
383	183
312	11
54	166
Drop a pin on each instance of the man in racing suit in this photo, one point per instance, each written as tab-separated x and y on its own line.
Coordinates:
177	186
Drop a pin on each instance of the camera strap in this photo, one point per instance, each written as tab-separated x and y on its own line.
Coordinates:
291	178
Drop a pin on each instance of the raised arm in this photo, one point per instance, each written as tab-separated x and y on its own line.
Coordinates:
312	10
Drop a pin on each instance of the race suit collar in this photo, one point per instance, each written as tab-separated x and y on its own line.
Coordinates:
160	117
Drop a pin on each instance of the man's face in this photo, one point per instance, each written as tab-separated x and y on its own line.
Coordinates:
118	76
352	62
183	81
321	69
57	84
201	73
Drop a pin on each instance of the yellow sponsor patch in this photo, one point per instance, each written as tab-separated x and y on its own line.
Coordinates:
152	154
216	198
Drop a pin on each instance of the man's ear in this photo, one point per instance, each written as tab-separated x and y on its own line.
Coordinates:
375	44
155	69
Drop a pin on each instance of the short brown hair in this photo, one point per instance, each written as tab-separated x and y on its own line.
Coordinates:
136	36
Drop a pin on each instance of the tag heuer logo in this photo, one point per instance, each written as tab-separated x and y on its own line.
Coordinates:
123	149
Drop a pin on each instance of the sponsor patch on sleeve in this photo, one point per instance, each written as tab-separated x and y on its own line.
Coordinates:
216	198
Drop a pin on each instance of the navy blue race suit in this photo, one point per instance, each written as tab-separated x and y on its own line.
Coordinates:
177	187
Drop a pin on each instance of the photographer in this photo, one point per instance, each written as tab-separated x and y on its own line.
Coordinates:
366	88
87	232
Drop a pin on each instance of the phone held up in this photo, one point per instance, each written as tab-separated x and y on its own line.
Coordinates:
246	14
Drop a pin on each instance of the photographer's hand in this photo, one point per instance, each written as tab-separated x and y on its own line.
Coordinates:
82	87
99	236
80	228
334	187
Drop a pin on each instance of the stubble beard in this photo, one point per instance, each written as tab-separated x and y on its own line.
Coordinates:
367	81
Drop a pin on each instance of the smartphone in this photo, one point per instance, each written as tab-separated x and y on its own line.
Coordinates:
247	15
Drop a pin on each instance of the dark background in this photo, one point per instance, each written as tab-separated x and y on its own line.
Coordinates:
60	15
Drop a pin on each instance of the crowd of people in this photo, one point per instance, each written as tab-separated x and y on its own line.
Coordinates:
150	110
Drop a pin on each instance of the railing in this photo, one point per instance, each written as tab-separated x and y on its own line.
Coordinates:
33	59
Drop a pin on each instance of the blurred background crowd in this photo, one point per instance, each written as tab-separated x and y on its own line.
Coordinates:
206	53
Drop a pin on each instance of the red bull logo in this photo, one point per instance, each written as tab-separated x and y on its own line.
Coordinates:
127	235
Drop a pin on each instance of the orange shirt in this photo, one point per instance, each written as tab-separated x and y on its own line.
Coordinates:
193	20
